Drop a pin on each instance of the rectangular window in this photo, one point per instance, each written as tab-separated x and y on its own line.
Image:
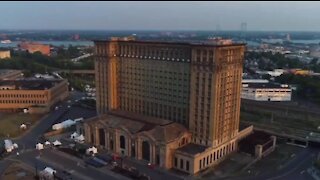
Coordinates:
175	162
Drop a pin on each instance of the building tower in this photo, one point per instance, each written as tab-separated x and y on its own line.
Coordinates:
196	85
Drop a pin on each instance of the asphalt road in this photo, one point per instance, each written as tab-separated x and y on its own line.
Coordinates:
60	162
295	170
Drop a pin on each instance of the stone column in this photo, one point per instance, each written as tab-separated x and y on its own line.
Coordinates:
87	134
106	135
138	147
116	142
258	151
274	140
128	147
153	154
96	136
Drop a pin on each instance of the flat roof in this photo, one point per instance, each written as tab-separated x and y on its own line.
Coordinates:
265	85
183	43
192	148
30	84
140	117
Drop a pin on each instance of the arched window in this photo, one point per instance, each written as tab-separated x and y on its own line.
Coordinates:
146	150
102	139
122	142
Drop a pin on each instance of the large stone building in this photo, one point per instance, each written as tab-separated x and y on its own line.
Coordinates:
196	85
37	96
4	54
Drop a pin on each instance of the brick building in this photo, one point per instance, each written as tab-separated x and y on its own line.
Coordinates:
37	96
192	85
5	54
33	47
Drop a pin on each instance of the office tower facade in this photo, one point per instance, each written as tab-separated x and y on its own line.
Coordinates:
197	85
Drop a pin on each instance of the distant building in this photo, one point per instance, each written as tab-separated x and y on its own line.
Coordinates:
220	41
33	47
288	37
266	92
5	54
254	81
35	95
76	37
8	74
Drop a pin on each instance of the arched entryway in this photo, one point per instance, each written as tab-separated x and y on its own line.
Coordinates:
122	144
102	139
146	150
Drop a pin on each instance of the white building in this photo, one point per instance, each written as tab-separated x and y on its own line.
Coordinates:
266	92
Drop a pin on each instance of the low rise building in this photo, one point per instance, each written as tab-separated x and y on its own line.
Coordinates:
33	47
5	54
35	96
266	92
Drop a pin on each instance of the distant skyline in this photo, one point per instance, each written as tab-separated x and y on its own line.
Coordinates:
207	16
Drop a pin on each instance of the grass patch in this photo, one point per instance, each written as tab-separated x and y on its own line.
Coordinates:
10	123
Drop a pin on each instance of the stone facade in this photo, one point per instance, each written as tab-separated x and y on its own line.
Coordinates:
195	85
153	142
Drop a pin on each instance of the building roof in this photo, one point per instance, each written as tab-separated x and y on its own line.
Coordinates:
167	132
182	43
30	84
192	148
159	132
140	117
265	85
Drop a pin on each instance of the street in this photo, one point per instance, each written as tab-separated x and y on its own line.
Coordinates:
296	169
61	162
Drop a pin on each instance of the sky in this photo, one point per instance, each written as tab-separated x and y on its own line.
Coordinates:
259	16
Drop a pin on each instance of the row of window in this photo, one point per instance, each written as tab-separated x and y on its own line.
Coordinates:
145	51
22	96
206	161
22	102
